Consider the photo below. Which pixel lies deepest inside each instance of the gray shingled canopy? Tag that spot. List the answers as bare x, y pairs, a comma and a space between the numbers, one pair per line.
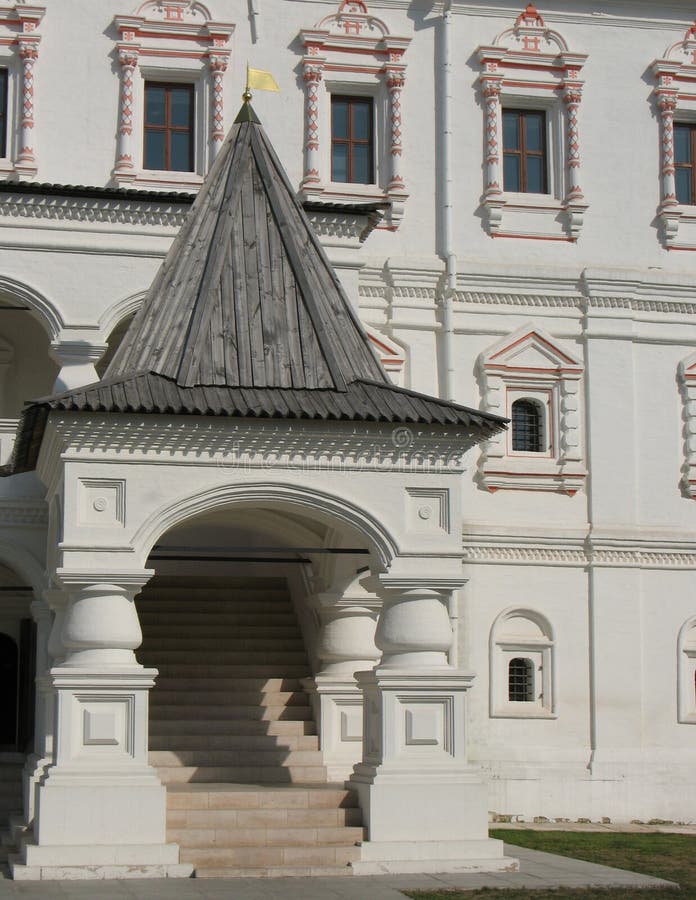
246, 317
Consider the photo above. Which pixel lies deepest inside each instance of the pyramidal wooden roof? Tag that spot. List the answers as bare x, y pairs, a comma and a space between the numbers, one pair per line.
246, 317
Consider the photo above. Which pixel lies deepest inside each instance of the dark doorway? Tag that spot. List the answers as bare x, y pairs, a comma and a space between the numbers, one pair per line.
9, 670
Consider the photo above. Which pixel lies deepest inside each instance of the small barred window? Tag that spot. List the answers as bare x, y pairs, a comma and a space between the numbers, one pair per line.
521, 680
527, 427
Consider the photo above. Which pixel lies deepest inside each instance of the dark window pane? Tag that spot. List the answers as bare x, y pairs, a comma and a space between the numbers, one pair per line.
340, 119
180, 152
535, 175
521, 680
362, 115
361, 164
155, 105
154, 150
534, 124
511, 135
682, 144
180, 109
339, 163
527, 427
3, 112
511, 173
683, 185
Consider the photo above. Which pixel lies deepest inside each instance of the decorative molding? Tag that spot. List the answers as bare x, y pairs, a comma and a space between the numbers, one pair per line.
160, 34
500, 552
356, 47
531, 60
675, 74
687, 387
111, 212
531, 363
243, 446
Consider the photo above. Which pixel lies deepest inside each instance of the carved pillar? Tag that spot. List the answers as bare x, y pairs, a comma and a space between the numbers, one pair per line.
667, 104
125, 168
421, 799
43, 718
492, 88
312, 72
28, 53
218, 67
572, 95
346, 644
99, 773
395, 84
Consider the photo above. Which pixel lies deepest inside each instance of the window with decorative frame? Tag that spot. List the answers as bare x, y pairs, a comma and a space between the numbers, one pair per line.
531, 379
522, 676
530, 71
352, 54
675, 100
176, 45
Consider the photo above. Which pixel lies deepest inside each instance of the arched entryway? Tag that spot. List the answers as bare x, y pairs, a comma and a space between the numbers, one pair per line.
233, 621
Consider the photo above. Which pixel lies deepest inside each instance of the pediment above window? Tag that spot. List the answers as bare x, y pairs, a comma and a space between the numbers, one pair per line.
531, 349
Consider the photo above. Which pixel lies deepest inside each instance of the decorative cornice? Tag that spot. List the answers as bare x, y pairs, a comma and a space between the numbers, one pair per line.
112, 212
508, 299
610, 557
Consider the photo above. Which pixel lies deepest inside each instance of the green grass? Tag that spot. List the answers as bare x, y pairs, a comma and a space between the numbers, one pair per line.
669, 856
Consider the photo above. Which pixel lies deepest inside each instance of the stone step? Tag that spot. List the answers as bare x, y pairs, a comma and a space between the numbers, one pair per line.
260, 796
184, 656
239, 727
197, 629
256, 685
254, 712
237, 758
243, 774
10, 773
263, 818
222, 604
245, 742
225, 670
279, 699
265, 857
188, 618
273, 872
230, 643
213, 582
261, 836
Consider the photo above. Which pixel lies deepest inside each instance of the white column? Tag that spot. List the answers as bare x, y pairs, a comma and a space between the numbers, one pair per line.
572, 95
346, 644
492, 88
424, 805
28, 53
101, 809
125, 167
312, 73
39, 758
77, 359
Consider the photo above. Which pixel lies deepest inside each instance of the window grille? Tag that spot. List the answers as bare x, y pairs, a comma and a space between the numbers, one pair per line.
527, 427
521, 680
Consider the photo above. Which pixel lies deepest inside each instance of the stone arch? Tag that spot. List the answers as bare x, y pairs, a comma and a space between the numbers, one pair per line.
46, 312
686, 672
120, 310
25, 565
382, 544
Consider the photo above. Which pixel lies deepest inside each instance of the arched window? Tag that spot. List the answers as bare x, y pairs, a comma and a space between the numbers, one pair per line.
686, 672
527, 426
521, 680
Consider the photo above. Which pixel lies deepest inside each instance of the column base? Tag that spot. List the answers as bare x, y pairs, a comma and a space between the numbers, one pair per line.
81, 862
410, 857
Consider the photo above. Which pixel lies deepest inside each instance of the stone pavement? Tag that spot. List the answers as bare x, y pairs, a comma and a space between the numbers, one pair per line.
538, 870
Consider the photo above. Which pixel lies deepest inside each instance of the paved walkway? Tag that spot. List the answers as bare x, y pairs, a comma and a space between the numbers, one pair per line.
538, 870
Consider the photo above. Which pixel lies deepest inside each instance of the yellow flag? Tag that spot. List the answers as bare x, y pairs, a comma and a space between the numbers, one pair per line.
260, 80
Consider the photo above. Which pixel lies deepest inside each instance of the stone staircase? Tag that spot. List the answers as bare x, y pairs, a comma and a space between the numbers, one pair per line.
232, 734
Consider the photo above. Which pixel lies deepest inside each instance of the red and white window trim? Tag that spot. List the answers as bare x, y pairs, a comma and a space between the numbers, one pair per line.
19, 52
351, 52
169, 41
531, 365
675, 97
531, 66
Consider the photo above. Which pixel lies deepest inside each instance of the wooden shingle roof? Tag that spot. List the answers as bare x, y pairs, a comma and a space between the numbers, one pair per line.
246, 317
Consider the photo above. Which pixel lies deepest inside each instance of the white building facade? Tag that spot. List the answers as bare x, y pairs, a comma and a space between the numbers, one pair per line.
508, 197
